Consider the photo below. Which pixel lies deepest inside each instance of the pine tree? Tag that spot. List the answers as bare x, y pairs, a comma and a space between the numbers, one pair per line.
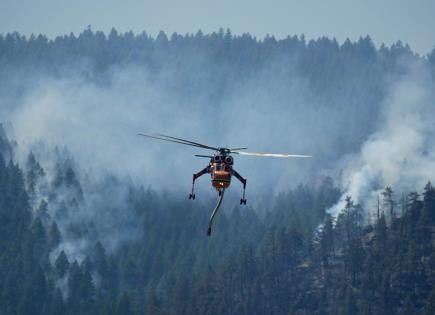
429, 201
74, 285
388, 203
39, 238
34, 298
61, 264
123, 307
153, 304
55, 236
429, 308
350, 307
181, 296
408, 308
34, 172
87, 292
100, 260
42, 211
381, 235
56, 305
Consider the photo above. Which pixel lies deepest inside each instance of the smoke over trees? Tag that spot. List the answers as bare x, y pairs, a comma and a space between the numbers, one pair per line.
90, 224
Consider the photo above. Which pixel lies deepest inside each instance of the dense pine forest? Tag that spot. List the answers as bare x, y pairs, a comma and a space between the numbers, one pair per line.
284, 263
74, 241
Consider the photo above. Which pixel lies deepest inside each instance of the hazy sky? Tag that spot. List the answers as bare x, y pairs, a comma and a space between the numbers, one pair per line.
385, 21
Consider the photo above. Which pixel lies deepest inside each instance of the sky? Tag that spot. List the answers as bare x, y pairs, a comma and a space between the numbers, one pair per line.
386, 21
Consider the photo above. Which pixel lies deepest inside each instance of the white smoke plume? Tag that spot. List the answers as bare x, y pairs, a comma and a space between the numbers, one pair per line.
401, 154
273, 109
99, 125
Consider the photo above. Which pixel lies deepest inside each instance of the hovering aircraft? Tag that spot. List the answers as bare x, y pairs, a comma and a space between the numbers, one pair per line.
220, 167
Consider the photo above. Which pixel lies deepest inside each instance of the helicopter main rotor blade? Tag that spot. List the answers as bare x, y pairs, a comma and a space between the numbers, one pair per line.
238, 149
287, 156
169, 140
205, 146
204, 156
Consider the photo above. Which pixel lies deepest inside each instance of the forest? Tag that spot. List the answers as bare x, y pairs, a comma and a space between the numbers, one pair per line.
77, 241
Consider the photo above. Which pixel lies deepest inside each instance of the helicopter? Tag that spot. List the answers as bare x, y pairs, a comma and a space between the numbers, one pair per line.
220, 167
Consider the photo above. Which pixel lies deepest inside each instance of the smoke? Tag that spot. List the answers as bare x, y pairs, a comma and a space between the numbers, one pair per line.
99, 123
270, 106
401, 153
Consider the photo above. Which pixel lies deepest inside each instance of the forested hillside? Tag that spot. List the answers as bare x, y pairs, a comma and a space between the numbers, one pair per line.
280, 264
92, 222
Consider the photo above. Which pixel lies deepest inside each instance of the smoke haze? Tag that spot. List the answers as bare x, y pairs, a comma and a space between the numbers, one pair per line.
401, 153
363, 113
273, 107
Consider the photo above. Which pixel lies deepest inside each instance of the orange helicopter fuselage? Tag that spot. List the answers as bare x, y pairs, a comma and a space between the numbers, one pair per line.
220, 175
